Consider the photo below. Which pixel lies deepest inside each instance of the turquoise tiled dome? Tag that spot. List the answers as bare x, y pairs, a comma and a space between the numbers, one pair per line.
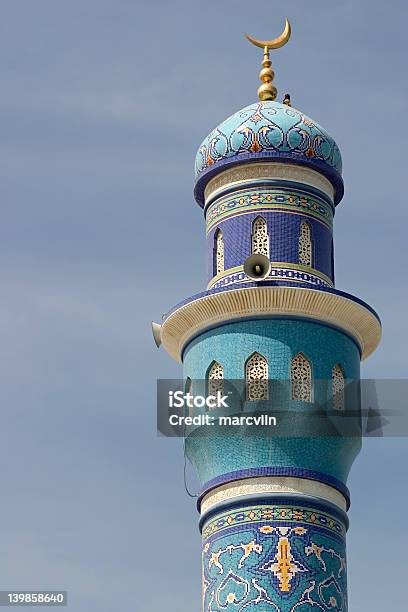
269, 130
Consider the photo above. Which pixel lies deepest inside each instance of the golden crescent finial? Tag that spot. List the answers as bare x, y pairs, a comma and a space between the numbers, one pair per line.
267, 90
276, 43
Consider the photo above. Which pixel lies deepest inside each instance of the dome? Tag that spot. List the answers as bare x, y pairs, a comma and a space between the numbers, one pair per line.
266, 131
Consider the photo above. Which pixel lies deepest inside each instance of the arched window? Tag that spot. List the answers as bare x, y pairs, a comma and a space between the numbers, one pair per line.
256, 377
305, 244
260, 237
215, 379
218, 252
301, 378
338, 387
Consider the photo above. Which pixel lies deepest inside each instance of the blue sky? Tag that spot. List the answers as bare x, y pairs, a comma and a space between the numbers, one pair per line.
103, 104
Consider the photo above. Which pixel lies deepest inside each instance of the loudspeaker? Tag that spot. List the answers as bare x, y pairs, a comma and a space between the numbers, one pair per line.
156, 330
257, 267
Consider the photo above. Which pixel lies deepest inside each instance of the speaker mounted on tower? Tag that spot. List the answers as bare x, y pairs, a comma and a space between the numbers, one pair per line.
156, 331
257, 267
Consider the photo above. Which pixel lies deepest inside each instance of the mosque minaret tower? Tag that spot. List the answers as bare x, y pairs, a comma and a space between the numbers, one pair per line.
273, 508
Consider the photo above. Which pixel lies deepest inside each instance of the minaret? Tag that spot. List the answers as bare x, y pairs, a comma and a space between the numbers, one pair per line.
273, 507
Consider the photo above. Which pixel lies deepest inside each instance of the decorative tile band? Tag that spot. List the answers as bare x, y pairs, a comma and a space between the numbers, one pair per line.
280, 271
283, 557
278, 513
268, 200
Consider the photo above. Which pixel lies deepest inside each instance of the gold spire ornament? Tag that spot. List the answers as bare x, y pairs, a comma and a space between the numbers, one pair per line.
267, 91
